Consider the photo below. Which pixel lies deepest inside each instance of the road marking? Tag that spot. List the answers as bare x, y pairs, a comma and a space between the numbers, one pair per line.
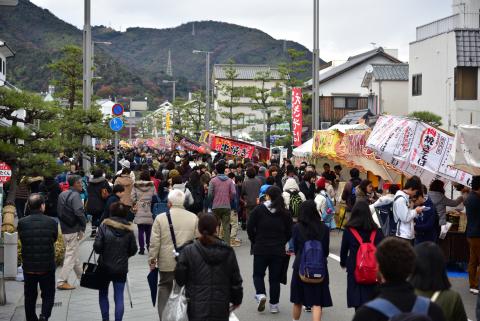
335, 257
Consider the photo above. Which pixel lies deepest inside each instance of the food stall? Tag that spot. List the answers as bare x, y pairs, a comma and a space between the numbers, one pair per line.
416, 148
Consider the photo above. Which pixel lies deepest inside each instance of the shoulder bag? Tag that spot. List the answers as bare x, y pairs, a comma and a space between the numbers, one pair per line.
90, 277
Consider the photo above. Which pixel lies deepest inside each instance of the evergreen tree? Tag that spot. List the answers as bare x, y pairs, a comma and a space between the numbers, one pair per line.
232, 96
31, 140
75, 122
268, 100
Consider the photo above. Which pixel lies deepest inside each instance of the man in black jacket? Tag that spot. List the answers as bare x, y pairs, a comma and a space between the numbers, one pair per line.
38, 234
396, 260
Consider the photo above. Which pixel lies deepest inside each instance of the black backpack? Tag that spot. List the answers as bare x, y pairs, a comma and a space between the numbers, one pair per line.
353, 193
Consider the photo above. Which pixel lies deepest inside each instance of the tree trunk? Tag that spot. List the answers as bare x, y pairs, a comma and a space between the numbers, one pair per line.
269, 126
231, 122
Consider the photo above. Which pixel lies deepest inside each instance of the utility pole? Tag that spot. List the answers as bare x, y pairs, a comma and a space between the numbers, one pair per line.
316, 114
207, 87
87, 74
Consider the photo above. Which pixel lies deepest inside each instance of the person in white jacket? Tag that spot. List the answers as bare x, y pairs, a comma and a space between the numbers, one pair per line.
383, 201
290, 187
402, 213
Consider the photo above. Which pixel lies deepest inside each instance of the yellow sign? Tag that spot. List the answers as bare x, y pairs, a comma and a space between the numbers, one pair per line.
325, 142
168, 122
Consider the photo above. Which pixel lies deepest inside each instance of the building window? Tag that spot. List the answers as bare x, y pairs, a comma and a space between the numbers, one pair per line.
276, 91
1, 64
339, 102
345, 102
352, 102
417, 85
4, 67
466, 83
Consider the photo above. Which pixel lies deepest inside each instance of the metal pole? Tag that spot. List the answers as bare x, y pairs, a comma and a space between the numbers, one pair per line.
315, 69
207, 94
116, 152
264, 130
174, 91
87, 71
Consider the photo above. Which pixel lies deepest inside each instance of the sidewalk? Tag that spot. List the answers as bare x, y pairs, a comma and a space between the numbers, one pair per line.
81, 303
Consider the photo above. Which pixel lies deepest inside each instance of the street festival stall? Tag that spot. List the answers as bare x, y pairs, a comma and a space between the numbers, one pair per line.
416, 148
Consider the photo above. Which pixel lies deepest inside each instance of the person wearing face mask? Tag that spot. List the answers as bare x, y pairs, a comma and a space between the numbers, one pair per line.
269, 227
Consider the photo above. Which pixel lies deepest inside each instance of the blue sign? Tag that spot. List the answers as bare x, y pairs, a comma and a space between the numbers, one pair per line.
117, 110
116, 124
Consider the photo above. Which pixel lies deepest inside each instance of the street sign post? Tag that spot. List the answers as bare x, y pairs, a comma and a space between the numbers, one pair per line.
5, 172
116, 124
117, 110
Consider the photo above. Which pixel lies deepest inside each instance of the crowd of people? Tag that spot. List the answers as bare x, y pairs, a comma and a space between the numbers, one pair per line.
187, 211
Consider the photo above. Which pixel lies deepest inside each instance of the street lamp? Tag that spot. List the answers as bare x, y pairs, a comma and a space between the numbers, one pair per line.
316, 113
207, 86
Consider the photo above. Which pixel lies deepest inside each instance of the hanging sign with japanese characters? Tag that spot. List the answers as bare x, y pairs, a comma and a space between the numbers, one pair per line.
415, 148
232, 147
297, 116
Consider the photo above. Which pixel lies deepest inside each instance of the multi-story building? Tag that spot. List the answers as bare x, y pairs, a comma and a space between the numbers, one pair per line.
245, 82
444, 62
5, 52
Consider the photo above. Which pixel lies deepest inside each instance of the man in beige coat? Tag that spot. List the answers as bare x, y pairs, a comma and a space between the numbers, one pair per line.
162, 253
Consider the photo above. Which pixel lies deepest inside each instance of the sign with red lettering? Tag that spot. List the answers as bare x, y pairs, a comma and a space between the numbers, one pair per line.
5, 172
297, 116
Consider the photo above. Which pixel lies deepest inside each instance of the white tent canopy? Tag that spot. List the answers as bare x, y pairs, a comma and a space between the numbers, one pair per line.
304, 150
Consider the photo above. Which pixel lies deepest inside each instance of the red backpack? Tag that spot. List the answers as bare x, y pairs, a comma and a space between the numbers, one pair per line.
366, 267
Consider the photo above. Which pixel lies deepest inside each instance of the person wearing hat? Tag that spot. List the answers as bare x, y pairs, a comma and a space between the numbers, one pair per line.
126, 164
324, 203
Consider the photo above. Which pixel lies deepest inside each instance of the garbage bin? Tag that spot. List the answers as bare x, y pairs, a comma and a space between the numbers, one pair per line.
10, 245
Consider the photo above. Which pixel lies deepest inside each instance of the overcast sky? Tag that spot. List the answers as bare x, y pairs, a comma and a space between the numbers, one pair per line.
347, 27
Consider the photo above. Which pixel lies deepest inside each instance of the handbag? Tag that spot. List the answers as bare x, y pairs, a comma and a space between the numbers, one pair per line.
90, 277
176, 306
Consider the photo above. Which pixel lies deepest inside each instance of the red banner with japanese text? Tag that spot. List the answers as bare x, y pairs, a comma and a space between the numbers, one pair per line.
297, 116
232, 147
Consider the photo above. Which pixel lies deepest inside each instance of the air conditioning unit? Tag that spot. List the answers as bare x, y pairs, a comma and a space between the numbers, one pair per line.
325, 125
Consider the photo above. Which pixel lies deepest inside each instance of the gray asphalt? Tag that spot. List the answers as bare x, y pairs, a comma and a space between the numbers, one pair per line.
82, 304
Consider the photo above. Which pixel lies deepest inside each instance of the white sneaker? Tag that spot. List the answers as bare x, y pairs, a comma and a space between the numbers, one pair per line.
274, 308
474, 291
261, 300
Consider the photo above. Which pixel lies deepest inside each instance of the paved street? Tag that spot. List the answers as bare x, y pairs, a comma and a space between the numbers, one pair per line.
82, 304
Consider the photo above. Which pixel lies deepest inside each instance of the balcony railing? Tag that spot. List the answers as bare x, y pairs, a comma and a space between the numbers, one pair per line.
457, 21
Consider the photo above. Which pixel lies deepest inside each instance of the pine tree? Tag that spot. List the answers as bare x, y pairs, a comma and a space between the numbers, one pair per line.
31, 140
232, 96
76, 123
268, 100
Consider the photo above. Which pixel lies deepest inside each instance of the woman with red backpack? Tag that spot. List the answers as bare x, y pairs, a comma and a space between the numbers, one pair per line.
357, 254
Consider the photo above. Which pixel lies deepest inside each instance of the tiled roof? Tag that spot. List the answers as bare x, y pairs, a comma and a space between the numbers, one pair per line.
352, 62
468, 48
390, 71
354, 117
246, 72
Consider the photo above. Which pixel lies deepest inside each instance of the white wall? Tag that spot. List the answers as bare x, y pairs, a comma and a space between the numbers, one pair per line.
244, 107
349, 82
394, 98
436, 58
3, 73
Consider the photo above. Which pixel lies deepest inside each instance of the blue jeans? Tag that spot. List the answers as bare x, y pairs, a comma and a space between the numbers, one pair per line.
118, 289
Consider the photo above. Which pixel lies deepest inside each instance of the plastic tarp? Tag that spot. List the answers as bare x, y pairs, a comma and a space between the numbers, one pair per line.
304, 150
466, 149
415, 148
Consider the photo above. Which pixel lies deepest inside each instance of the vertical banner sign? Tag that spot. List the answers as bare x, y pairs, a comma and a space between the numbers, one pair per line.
167, 120
297, 116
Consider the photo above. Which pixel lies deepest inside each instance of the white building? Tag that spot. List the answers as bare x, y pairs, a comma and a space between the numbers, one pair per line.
5, 52
341, 86
444, 62
387, 88
245, 81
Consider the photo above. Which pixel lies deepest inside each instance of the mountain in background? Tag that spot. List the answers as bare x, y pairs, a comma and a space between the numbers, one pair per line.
135, 64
